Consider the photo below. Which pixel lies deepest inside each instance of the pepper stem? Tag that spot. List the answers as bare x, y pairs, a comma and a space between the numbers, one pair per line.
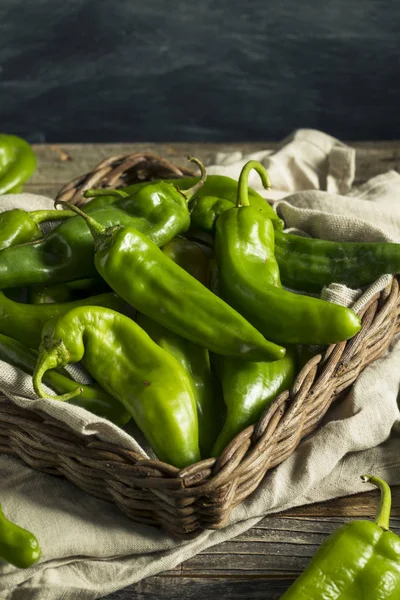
96, 229
385, 503
105, 192
242, 198
45, 363
189, 193
39, 216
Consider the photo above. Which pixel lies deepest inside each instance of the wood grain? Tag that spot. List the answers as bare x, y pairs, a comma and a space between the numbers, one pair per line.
262, 562
54, 171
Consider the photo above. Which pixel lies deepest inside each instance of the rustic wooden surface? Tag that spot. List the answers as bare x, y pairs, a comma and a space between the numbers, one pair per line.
261, 563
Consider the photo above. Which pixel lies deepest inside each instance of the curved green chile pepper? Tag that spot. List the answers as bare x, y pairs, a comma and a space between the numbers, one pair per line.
244, 246
196, 362
24, 322
18, 546
194, 358
158, 210
358, 561
248, 388
93, 398
17, 163
137, 270
18, 226
149, 382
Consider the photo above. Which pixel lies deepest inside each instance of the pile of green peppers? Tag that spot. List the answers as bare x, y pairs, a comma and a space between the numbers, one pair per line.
173, 296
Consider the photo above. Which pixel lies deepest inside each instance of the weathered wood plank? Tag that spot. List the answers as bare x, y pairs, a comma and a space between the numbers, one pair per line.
186, 588
54, 171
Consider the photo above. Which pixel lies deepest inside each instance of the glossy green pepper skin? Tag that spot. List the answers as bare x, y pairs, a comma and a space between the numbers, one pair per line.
18, 546
17, 163
248, 388
358, 561
309, 264
149, 382
93, 398
220, 186
194, 358
249, 280
159, 211
18, 226
196, 362
24, 322
205, 211
137, 270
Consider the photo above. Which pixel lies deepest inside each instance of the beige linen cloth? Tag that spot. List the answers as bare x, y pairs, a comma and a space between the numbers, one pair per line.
89, 547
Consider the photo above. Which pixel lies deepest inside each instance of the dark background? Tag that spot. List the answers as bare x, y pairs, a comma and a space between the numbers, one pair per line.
215, 70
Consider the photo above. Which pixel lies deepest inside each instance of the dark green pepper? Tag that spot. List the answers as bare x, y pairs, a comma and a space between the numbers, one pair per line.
248, 388
65, 292
309, 264
249, 280
149, 382
358, 561
159, 210
136, 269
47, 294
17, 163
24, 322
18, 226
18, 546
93, 398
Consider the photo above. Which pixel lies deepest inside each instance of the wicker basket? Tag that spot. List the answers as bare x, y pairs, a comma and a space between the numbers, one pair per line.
186, 502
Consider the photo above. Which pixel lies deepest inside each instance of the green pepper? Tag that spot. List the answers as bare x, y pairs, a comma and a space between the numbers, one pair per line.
18, 546
93, 398
216, 187
223, 187
193, 358
358, 561
137, 270
248, 388
149, 382
18, 226
249, 280
159, 210
205, 211
309, 264
24, 322
17, 163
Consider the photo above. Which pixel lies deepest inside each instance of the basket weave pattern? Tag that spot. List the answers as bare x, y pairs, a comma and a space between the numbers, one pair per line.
187, 501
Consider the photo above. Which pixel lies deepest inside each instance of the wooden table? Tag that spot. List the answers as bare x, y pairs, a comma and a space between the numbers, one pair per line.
262, 562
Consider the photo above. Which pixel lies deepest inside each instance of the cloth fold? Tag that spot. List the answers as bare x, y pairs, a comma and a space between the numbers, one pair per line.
90, 548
